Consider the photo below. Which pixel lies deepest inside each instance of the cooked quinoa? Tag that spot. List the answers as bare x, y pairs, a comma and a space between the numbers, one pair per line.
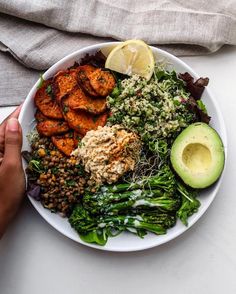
154, 109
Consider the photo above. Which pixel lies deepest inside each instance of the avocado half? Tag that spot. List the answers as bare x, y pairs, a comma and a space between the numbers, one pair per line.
197, 155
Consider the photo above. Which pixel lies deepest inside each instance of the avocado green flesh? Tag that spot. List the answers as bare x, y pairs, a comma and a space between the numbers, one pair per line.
197, 155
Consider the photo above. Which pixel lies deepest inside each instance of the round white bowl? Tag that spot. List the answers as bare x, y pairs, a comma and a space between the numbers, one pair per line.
126, 241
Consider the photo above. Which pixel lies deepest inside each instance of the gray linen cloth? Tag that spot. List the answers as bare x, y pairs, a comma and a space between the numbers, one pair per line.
37, 33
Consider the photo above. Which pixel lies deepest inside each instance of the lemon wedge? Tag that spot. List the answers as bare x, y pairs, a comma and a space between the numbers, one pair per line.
132, 57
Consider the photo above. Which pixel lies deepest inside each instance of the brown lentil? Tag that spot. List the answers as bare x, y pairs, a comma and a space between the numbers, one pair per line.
61, 183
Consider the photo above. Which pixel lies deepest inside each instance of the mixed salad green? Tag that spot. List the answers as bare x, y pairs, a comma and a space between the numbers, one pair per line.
150, 198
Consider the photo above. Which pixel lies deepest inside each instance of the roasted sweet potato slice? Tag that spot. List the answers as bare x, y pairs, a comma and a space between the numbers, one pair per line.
64, 82
65, 143
103, 82
49, 128
45, 103
82, 121
39, 116
83, 72
78, 100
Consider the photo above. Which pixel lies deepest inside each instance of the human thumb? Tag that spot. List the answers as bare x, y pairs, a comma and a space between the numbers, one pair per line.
13, 144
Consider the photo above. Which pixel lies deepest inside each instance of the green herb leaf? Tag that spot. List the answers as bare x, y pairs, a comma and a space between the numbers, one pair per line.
202, 106
160, 74
55, 170
81, 170
70, 183
115, 93
81, 144
35, 165
65, 108
94, 237
49, 89
190, 203
41, 81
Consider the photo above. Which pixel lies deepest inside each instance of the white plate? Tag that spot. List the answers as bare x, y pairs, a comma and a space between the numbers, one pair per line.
125, 241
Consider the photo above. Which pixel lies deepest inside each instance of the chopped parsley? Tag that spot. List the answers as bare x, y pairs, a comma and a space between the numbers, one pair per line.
49, 89
65, 108
81, 170
80, 144
55, 170
70, 183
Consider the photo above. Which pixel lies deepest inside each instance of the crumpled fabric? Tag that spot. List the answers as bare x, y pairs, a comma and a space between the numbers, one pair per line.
38, 33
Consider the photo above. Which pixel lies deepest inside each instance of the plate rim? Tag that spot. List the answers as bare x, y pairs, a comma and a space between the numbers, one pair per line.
223, 136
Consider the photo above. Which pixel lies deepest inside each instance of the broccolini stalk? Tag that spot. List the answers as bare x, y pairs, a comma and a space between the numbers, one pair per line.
163, 203
166, 220
114, 209
112, 203
104, 198
86, 226
82, 220
135, 222
164, 179
98, 229
190, 203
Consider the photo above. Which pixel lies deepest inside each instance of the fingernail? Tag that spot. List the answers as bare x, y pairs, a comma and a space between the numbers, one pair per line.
13, 125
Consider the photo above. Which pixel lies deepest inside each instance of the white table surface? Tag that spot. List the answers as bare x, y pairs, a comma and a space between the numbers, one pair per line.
36, 259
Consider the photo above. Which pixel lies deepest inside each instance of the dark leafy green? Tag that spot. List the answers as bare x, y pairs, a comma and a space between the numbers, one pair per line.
35, 165
190, 203
195, 88
162, 75
198, 108
33, 191
140, 207
164, 179
118, 203
97, 229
